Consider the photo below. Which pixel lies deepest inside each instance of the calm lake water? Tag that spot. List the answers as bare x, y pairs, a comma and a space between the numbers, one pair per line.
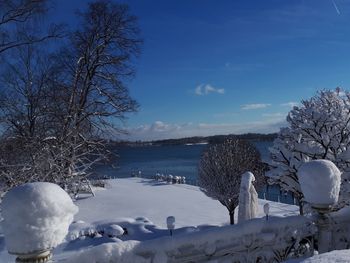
181, 160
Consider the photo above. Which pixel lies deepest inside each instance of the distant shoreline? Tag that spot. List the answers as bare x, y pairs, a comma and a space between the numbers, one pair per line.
198, 140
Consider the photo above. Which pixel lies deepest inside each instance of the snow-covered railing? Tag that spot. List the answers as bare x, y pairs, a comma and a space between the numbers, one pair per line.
46, 212
256, 240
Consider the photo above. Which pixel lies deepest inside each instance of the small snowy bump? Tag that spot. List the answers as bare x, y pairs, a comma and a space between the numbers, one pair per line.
114, 231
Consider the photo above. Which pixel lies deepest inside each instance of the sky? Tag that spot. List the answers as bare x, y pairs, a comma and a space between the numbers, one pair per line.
230, 67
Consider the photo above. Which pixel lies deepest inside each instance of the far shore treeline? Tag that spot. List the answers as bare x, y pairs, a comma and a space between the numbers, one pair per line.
197, 140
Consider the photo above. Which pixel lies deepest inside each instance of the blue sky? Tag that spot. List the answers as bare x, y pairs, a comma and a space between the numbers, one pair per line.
219, 67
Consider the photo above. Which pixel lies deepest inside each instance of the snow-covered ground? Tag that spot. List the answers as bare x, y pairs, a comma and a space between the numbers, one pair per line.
336, 256
141, 206
136, 197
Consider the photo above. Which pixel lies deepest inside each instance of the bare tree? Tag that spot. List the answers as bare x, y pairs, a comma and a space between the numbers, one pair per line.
24, 104
92, 96
63, 106
221, 167
16, 16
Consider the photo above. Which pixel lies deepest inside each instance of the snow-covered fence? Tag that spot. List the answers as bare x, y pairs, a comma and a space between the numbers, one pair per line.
256, 240
46, 207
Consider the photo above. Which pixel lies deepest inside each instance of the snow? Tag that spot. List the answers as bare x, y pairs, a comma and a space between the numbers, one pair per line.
201, 242
36, 217
109, 252
336, 256
136, 197
320, 182
114, 230
141, 207
248, 198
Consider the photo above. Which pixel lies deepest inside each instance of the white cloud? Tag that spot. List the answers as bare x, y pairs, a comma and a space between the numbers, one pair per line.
206, 89
198, 90
255, 106
290, 104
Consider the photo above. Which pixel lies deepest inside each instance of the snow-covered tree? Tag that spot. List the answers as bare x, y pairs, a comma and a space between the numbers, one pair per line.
221, 167
56, 111
318, 129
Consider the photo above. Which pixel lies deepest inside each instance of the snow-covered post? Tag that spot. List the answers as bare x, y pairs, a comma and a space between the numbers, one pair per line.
36, 219
248, 198
320, 184
170, 221
267, 210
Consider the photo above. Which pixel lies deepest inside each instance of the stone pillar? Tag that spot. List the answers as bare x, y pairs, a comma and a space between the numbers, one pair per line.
324, 231
36, 257
36, 220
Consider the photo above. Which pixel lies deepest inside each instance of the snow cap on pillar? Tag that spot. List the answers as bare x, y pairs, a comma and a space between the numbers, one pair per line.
320, 182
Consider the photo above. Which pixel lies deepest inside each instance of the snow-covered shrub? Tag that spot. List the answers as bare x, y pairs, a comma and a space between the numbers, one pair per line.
320, 182
98, 183
36, 217
114, 231
221, 167
318, 129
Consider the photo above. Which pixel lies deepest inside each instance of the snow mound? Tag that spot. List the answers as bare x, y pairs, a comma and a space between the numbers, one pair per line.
320, 182
36, 217
109, 252
114, 231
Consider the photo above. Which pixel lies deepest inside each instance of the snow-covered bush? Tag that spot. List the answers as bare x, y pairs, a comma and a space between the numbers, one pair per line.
320, 182
36, 217
221, 167
318, 129
114, 231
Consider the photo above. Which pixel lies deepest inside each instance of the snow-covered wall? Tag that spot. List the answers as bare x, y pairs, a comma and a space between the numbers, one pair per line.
250, 241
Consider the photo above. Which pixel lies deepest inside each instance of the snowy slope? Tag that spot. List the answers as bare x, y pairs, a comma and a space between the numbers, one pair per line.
135, 197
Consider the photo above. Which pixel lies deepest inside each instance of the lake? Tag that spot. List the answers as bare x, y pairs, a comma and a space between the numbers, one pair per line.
181, 160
